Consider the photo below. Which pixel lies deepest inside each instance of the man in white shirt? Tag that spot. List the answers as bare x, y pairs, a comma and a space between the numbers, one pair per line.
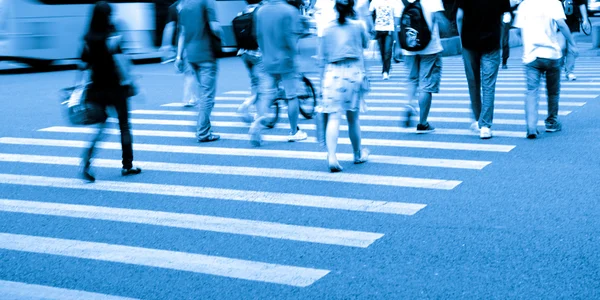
387, 15
425, 66
542, 53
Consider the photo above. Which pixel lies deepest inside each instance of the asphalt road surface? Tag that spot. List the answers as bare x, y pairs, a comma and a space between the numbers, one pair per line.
438, 216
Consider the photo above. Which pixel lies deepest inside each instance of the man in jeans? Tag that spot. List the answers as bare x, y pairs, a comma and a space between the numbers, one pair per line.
277, 26
539, 20
387, 16
577, 17
197, 18
480, 29
169, 50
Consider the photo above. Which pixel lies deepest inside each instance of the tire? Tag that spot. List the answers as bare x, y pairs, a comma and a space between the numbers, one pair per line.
307, 99
272, 114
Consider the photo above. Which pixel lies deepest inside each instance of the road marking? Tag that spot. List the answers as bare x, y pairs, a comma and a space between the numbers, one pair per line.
18, 290
498, 88
181, 261
394, 101
365, 117
198, 193
245, 152
499, 84
272, 230
238, 93
498, 95
284, 138
433, 109
363, 128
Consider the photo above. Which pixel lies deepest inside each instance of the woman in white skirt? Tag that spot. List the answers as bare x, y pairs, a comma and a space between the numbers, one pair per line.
343, 79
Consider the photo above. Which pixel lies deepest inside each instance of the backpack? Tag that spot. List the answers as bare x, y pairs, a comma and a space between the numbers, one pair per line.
243, 29
414, 32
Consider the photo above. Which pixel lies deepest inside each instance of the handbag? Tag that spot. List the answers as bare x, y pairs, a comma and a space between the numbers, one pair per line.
321, 120
78, 110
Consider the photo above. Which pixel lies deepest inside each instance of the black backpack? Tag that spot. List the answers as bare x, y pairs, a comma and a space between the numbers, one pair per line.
243, 29
414, 32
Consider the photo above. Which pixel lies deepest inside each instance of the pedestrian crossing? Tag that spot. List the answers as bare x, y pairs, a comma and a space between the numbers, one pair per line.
165, 146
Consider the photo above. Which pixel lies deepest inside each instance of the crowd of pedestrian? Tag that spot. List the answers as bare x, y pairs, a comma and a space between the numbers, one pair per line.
268, 48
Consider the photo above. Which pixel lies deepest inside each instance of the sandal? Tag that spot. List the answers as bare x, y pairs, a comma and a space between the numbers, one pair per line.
210, 138
335, 168
361, 157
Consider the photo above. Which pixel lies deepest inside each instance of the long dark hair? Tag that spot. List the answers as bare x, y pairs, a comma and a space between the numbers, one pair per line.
345, 11
100, 24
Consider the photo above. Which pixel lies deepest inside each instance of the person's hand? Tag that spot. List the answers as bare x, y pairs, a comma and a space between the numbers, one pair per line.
574, 50
179, 65
168, 52
587, 25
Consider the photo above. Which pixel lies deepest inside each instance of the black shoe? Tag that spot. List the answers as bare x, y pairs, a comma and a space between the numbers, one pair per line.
504, 67
531, 136
409, 113
425, 128
86, 173
132, 171
210, 138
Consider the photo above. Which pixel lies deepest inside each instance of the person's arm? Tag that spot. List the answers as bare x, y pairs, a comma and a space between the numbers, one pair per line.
459, 21
180, 47
585, 19
211, 12
564, 29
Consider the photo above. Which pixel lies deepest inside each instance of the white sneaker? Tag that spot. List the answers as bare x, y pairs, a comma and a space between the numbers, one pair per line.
571, 77
191, 103
475, 127
485, 133
386, 76
299, 136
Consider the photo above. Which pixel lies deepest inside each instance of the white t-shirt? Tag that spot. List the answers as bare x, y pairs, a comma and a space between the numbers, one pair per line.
537, 20
430, 7
386, 11
324, 14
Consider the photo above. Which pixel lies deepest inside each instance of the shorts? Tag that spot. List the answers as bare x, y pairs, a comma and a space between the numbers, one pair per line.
425, 71
289, 82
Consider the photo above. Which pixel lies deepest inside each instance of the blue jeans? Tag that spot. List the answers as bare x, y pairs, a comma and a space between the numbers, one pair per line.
206, 76
386, 44
534, 72
255, 69
481, 69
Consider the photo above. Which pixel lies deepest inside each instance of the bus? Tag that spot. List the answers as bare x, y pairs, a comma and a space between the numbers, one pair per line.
38, 32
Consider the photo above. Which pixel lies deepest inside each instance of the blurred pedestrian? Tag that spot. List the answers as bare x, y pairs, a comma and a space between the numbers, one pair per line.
425, 66
169, 51
107, 88
479, 26
539, 21
343, 78
198, 19
387, 15
577, 17
278, 29
243, 28
507, 24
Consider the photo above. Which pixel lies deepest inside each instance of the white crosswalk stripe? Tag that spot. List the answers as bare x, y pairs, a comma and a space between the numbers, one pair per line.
402, 164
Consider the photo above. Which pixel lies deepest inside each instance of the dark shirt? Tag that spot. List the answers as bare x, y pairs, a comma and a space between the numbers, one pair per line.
482, 23
173, 17
277, 26
101, 64
573, 13
194, 17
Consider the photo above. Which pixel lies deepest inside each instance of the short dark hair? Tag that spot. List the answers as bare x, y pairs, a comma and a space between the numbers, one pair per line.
253, 1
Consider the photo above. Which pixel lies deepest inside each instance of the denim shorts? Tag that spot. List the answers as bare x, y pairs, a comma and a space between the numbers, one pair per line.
288, 81
425, 71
